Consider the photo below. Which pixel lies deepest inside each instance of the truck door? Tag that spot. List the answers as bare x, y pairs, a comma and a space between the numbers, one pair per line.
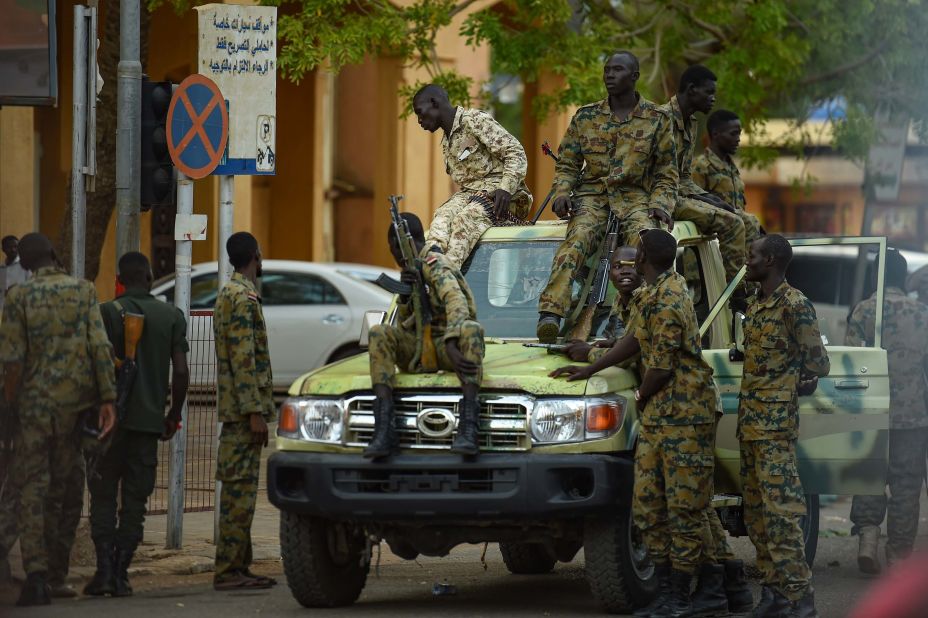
844, 437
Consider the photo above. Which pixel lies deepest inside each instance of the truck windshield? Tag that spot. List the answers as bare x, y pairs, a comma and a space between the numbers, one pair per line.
506, 279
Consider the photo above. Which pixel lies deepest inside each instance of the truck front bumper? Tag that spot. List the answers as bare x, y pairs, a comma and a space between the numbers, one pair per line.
493, 486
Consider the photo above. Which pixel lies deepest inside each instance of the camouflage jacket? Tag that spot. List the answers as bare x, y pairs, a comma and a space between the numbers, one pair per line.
720, 177
633, 161
450, 298
782, 343
905, 339
246, 385
918, 283
52, 327
624, 313
685, 138
480, 155
668, 332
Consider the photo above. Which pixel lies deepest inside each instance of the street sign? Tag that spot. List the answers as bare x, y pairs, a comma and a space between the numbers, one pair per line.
197, 126
238, 50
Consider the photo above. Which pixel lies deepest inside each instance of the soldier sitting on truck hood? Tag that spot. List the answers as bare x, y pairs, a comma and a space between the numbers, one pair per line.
455, 330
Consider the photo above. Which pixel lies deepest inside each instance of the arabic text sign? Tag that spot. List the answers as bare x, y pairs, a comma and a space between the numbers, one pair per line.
238, 50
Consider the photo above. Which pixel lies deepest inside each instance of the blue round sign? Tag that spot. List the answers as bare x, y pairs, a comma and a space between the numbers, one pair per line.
198, 126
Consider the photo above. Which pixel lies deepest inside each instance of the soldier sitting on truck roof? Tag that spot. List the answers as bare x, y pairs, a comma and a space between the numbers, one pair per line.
458, 335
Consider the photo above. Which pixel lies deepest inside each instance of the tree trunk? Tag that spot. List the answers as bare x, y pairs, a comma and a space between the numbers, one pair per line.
102, 202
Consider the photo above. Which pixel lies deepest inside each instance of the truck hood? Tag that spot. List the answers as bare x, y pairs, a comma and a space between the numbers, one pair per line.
508, 366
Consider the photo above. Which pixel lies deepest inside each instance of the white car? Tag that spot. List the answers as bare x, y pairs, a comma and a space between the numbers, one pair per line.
313, 312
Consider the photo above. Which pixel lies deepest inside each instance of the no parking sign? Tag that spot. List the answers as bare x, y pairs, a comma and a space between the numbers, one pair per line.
197, 126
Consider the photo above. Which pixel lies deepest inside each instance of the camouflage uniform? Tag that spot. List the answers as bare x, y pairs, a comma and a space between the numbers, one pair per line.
480, 156
905, 338
709, 219
722, 178
674, 458
624, 314
52, 327
781, 344
628, 166
245, 388
454, 316
918, 283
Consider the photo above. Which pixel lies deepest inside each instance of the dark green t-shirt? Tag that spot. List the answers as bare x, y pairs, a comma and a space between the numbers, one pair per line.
164, 332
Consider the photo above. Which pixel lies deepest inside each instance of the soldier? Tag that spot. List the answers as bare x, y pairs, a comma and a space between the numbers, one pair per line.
715, 170
783, 359
11, 271
618, 153
457, 335
674, 458
710, 214
246, 404
129, 466
905, 338
482, 158
52, 335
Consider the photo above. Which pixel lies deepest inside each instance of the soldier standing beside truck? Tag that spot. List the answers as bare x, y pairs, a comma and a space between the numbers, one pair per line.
618, 154
454, 332
484, 160
674, 458
783, 358
905, 338
246, 405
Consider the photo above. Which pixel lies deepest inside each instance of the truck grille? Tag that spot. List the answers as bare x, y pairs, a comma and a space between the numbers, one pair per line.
503, 421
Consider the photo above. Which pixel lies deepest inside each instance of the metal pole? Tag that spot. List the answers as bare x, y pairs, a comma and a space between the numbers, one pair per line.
128, 121
182, 259
226, 215
78, 143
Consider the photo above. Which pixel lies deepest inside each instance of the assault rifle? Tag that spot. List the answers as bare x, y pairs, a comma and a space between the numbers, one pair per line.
552, 348
126, 367
546, 149
600, 282
425, 357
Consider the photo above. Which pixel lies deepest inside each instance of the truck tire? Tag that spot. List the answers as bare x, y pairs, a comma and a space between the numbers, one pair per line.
809, 525
322, 560
618, 569
527, 558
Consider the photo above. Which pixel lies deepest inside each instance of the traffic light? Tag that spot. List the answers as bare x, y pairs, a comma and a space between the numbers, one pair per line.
158, 181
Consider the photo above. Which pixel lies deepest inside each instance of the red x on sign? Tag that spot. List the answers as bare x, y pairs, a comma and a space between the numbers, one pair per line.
198, 126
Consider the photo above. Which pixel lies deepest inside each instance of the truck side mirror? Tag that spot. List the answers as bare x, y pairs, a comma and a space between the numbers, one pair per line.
371, 318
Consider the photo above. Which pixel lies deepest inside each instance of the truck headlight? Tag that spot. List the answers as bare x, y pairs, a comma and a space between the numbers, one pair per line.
315, 420
556, 421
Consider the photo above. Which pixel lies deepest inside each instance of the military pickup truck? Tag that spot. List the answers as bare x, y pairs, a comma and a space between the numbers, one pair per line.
555, 472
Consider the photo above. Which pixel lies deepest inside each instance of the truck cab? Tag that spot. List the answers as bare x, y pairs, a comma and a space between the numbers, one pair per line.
555, 471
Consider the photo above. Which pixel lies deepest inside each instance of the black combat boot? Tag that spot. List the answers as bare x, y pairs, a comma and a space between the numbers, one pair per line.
104, 579
465, 440
34, 591
772, 604
662, 574
678, 604
384, 441
709, 598
124, 553
740, 599
805, 607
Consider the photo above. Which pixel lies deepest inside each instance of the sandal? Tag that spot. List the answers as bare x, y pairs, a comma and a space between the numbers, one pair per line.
265, 578
241, 582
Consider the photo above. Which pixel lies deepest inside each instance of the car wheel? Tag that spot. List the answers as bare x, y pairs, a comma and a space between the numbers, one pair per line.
618, 568
527, 558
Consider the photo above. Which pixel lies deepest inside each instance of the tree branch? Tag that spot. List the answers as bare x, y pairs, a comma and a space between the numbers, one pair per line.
847, 67
606, 7
460, 7
690, 14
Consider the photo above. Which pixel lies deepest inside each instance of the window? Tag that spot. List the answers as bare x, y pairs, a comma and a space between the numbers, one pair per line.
202, 290
279, 288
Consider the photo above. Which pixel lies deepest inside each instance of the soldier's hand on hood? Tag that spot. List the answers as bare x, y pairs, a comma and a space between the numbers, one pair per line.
578, 351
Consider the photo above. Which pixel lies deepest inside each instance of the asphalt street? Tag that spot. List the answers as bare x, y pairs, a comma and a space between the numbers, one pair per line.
402, 588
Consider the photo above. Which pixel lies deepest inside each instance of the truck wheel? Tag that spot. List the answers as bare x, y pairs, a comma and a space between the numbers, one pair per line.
809, 525
527, 558
618, 568
322, 560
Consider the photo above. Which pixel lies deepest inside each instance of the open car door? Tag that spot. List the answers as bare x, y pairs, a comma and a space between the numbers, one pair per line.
844, 425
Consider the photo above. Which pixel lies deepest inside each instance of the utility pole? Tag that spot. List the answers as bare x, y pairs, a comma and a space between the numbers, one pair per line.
128, 121
78, 141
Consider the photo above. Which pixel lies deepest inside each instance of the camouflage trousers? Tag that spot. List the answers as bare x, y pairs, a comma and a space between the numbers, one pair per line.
459, 223
715, 540
585, 233
49, 470
673, 481
393, 345
773, 507
237, 466
59, 545
727, 226
751, 228
906, 475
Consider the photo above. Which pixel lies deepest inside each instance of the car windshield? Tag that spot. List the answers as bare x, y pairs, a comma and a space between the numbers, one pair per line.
506, 279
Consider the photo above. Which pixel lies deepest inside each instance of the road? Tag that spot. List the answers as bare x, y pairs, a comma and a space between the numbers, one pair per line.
404, 588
